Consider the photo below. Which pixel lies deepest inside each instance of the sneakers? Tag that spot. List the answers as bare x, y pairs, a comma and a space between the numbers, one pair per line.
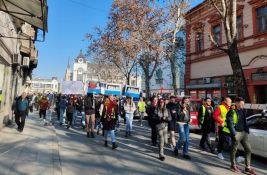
235, 169
220, 156
250, 171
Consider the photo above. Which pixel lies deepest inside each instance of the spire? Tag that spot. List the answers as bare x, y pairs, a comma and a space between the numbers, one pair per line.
81, 54
68, 66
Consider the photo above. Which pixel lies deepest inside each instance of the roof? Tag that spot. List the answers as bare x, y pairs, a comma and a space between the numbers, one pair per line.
196, 7
81, 54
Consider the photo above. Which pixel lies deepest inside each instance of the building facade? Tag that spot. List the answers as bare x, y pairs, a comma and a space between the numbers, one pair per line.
85, 71
18, 54
40, 85
208, 70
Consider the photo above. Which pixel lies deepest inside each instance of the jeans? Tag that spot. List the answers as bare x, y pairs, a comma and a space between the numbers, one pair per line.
62, 118
241, 137
183, 138
75, 113
129, 122
163, 138
112, 135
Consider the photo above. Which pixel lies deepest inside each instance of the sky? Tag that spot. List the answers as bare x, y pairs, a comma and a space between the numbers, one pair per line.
68, 23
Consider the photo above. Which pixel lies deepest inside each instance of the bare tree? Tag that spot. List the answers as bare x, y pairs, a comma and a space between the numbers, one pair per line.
227, 12
175, 20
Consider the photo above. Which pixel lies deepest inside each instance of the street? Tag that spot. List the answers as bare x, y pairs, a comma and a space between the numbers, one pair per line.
55, 150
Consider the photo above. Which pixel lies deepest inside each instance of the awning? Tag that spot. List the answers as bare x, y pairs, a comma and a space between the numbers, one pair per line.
33, 12
203, 86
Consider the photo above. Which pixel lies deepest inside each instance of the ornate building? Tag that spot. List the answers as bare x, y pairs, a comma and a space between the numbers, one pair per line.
85, 71
208, 70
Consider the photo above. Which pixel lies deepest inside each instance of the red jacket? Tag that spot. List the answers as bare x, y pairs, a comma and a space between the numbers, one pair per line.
217, 113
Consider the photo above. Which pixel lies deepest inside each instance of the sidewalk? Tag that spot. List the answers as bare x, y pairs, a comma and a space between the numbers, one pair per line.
35, 151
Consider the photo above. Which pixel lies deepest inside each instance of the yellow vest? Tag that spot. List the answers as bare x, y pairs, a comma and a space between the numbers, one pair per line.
235, 118
203, 114
223, 112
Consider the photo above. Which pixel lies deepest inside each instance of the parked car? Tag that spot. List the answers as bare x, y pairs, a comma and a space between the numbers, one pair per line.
258, 134
195, 104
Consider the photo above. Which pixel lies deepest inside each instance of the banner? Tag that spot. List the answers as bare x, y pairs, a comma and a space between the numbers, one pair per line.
96, 87
72, 87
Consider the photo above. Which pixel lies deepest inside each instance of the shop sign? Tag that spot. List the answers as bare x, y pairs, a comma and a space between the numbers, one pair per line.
259, 76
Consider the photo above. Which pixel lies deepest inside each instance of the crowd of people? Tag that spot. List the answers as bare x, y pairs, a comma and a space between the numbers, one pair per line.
165, 118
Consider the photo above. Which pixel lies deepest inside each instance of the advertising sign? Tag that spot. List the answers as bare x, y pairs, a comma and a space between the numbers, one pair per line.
112, 88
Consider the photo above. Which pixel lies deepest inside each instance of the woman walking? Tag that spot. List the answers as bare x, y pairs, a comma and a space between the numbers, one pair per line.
69, 112
183, 123
89, 107
109, 120
163, 116
129, 108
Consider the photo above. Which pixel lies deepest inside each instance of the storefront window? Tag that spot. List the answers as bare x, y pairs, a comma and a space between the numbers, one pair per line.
193, 94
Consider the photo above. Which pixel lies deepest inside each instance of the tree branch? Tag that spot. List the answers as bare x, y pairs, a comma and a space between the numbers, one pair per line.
216, 44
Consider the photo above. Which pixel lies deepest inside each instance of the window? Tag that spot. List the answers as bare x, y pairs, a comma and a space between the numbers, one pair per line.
199, 42
217, 33
239, 27
262, 19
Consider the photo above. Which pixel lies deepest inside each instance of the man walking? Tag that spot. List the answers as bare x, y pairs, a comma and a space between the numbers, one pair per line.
21, 111
236, 126
141, 109
219, 116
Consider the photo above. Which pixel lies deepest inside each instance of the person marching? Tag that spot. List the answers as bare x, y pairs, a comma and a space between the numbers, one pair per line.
163, 117
173, 108
205, 120
21, 111
183, 123
141, 109
89, 106
109, 120
152, 105
43, 106
62, 108
69, 111
129, 108
236, 125
219, 116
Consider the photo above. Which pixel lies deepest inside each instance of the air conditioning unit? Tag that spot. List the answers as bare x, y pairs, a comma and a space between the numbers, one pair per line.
26, 62
16, 59
207, 80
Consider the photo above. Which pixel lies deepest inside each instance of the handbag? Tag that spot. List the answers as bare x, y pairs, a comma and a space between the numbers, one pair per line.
160, 126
